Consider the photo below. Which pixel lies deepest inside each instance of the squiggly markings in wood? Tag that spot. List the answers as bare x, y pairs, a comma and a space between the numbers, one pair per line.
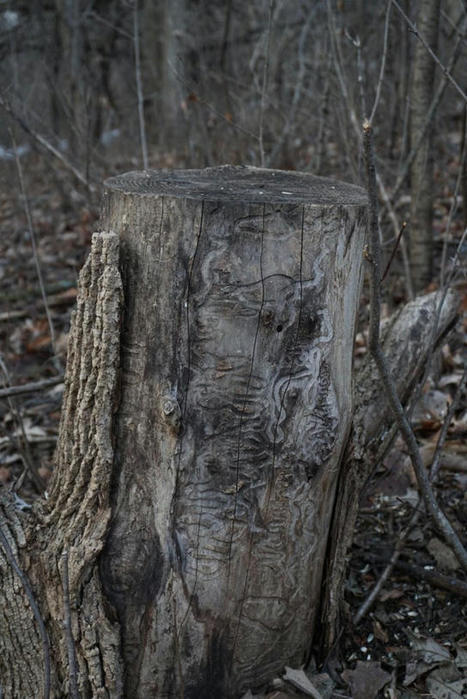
267, 415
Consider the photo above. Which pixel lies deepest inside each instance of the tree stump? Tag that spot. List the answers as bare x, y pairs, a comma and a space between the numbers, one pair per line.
194, 537
241, 287
208, 400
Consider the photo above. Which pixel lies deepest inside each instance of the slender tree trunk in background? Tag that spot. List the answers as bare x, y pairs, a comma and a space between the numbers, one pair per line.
464, 166
421, 171
176, 40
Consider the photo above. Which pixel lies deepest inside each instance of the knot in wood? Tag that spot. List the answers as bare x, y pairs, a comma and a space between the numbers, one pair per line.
171, 411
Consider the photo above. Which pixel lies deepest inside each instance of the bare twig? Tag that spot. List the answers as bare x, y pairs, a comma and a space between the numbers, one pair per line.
423, 481
394, 249
338, 64
445, 582
25, 451
35, 609
139, 86
74, 693
427, 47
383, 63
45, 144
32, 235
357, 44
30, 387
323, 113
396, 227
428, 119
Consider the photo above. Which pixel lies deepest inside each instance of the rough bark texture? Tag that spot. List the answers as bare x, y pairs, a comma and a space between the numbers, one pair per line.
241, 288
421, 171
408, 338
75, 517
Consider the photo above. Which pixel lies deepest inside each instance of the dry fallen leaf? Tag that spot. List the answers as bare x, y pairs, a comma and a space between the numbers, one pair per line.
447, 684
301, 681
428, 650
380, 633
391, 594
366, 680
442, 554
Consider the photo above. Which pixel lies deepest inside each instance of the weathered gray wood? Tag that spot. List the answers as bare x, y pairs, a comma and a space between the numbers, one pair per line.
241, 287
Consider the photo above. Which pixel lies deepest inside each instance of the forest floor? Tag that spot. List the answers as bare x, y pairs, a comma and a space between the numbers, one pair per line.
413, 642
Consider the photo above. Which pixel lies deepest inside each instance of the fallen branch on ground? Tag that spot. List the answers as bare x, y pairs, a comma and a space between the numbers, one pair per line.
31, 387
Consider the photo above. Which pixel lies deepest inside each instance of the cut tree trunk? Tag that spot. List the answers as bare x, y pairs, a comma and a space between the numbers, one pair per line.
181, 548
241, 288
199, 446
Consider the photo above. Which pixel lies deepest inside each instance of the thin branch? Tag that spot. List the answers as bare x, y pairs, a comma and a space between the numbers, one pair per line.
338, 65
394, 250
430, 51
444, 582
25, 451
139, 86
323, 112
423, 481
32, 235
357, 44
31, 387
45, 144
35, 609
435, 464
383, 63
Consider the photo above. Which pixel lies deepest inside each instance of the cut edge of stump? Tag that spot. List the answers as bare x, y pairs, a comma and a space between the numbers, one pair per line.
239, 183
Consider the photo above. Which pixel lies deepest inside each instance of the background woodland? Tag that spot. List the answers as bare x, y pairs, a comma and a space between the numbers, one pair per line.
89, 89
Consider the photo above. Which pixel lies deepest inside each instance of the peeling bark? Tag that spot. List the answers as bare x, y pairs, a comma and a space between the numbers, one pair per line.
75, 517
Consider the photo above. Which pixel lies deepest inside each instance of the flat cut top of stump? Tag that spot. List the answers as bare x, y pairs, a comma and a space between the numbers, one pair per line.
240, 183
